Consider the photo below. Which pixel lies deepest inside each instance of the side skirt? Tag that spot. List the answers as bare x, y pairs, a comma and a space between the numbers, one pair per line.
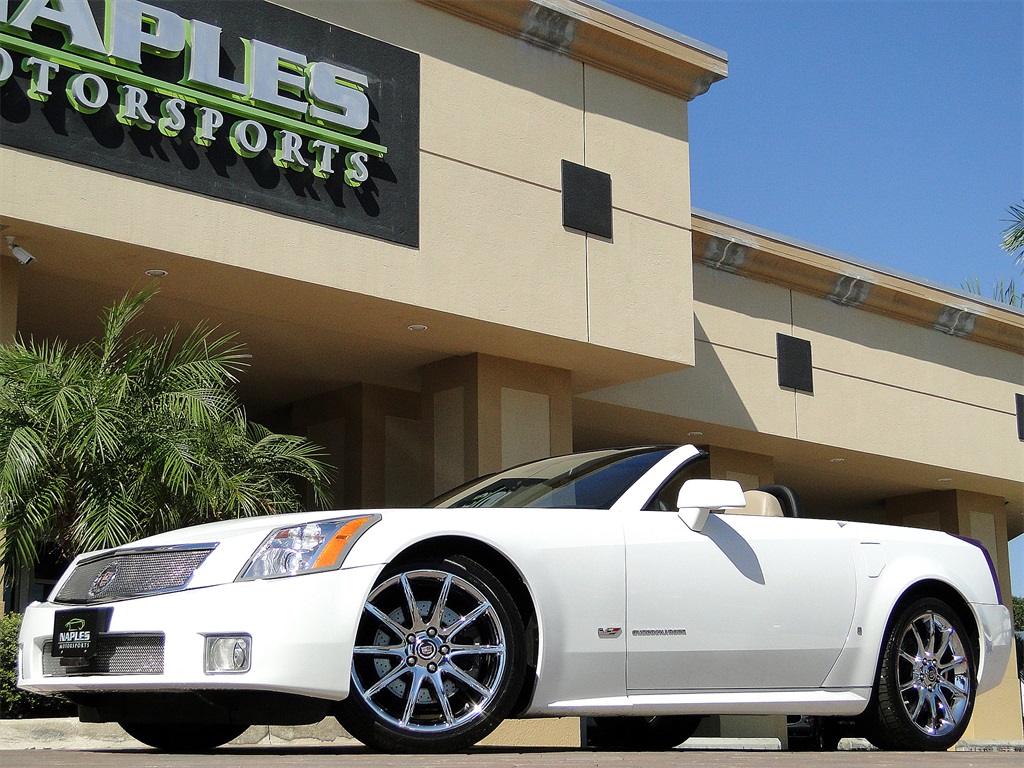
804, 702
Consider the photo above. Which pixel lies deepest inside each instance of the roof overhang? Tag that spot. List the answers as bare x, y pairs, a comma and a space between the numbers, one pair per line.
772, 258
603, 36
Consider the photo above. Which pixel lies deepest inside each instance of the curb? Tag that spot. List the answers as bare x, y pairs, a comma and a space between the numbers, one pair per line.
70, 734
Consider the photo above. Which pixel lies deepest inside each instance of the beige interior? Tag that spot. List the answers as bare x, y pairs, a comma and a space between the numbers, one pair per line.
759, 504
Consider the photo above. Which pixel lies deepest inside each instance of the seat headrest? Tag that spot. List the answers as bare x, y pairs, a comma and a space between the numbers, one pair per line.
759, 504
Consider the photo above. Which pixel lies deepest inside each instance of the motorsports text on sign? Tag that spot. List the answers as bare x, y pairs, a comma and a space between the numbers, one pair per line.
237, 99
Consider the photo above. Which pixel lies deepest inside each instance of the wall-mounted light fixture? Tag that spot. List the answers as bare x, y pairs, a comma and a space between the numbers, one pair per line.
23, 256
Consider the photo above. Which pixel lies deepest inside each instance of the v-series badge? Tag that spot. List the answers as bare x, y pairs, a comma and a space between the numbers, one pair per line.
317, 108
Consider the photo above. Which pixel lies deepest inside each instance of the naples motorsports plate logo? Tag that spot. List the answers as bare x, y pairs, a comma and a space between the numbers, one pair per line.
76, 632
238, 99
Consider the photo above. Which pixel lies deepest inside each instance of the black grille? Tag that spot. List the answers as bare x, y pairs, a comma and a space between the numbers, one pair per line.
115, 655
132, 573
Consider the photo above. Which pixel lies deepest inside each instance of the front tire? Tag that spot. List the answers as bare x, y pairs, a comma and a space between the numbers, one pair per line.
641, 734
926, 684
183, 737
438, 660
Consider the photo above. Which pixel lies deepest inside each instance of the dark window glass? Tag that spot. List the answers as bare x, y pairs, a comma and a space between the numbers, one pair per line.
593, 480
667, 496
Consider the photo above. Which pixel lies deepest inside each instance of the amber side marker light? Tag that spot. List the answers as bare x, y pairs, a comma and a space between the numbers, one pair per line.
336, 546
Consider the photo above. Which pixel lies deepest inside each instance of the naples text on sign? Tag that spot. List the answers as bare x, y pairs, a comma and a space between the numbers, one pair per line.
157, 69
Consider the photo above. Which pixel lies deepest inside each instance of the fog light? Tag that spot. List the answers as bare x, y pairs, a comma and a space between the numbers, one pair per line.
227, 654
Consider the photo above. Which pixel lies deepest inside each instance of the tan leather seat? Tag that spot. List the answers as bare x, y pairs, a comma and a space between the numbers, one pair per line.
759, 504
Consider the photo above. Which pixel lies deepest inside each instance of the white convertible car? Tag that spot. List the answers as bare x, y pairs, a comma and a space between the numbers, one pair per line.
615, 584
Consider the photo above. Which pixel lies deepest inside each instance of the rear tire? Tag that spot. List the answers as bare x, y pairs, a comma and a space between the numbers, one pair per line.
926, 686
641, 734
184, 737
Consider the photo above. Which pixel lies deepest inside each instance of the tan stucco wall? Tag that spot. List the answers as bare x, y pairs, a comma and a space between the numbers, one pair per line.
497, 117
470, 409
881, 386
549, 732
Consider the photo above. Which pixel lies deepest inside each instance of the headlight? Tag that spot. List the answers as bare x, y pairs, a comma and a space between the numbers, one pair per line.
307, 548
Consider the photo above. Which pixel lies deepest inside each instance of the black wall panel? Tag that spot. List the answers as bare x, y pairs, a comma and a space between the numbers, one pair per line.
794, 357
586, 199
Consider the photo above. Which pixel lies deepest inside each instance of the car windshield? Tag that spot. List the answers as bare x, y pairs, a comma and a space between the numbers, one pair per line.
592, 480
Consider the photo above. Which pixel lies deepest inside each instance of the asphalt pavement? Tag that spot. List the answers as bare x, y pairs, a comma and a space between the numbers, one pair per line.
496, 757
65, 742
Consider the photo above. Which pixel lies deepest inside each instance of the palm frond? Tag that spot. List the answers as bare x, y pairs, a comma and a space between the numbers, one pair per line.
134, 433
116, 320
107, 519
25, 456
1003, 292
1013, 235
27, 522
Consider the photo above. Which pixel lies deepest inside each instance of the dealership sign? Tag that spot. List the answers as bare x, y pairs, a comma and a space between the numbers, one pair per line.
237, 99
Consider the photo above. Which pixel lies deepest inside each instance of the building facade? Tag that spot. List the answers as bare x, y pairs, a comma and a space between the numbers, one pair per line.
457, 235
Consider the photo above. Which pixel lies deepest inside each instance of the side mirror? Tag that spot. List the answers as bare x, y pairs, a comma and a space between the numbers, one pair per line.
697, 498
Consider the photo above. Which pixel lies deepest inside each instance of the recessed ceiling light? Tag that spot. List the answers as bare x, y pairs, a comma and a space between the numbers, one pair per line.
837, 460
417, 327
945, 479
694, 434
156, 272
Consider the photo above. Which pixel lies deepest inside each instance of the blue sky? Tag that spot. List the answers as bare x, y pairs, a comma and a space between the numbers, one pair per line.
889, 130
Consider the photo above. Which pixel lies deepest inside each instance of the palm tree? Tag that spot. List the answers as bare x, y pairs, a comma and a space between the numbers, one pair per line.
132, 434
1013, 240
1013, 235
1003, 292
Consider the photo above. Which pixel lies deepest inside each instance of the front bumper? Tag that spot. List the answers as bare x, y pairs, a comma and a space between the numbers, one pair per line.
302, 628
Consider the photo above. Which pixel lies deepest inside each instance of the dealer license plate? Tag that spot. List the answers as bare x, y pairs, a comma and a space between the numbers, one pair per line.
76, 631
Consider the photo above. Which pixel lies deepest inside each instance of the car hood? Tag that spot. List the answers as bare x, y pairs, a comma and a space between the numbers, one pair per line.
210, 533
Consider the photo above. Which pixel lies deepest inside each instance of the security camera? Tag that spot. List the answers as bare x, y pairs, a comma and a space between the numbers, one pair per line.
23, 256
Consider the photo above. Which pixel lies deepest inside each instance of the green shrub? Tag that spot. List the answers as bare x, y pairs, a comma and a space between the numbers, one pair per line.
14, 702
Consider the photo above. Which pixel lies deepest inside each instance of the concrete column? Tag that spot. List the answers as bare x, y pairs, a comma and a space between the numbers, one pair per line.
374, 437
997, 714
751, 470
8, 330
482, 414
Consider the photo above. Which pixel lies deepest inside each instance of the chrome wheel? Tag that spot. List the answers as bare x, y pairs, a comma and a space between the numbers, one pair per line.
432, 653
933, 674
926, 685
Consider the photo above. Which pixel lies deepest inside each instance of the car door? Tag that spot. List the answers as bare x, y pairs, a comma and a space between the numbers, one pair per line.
747, 603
